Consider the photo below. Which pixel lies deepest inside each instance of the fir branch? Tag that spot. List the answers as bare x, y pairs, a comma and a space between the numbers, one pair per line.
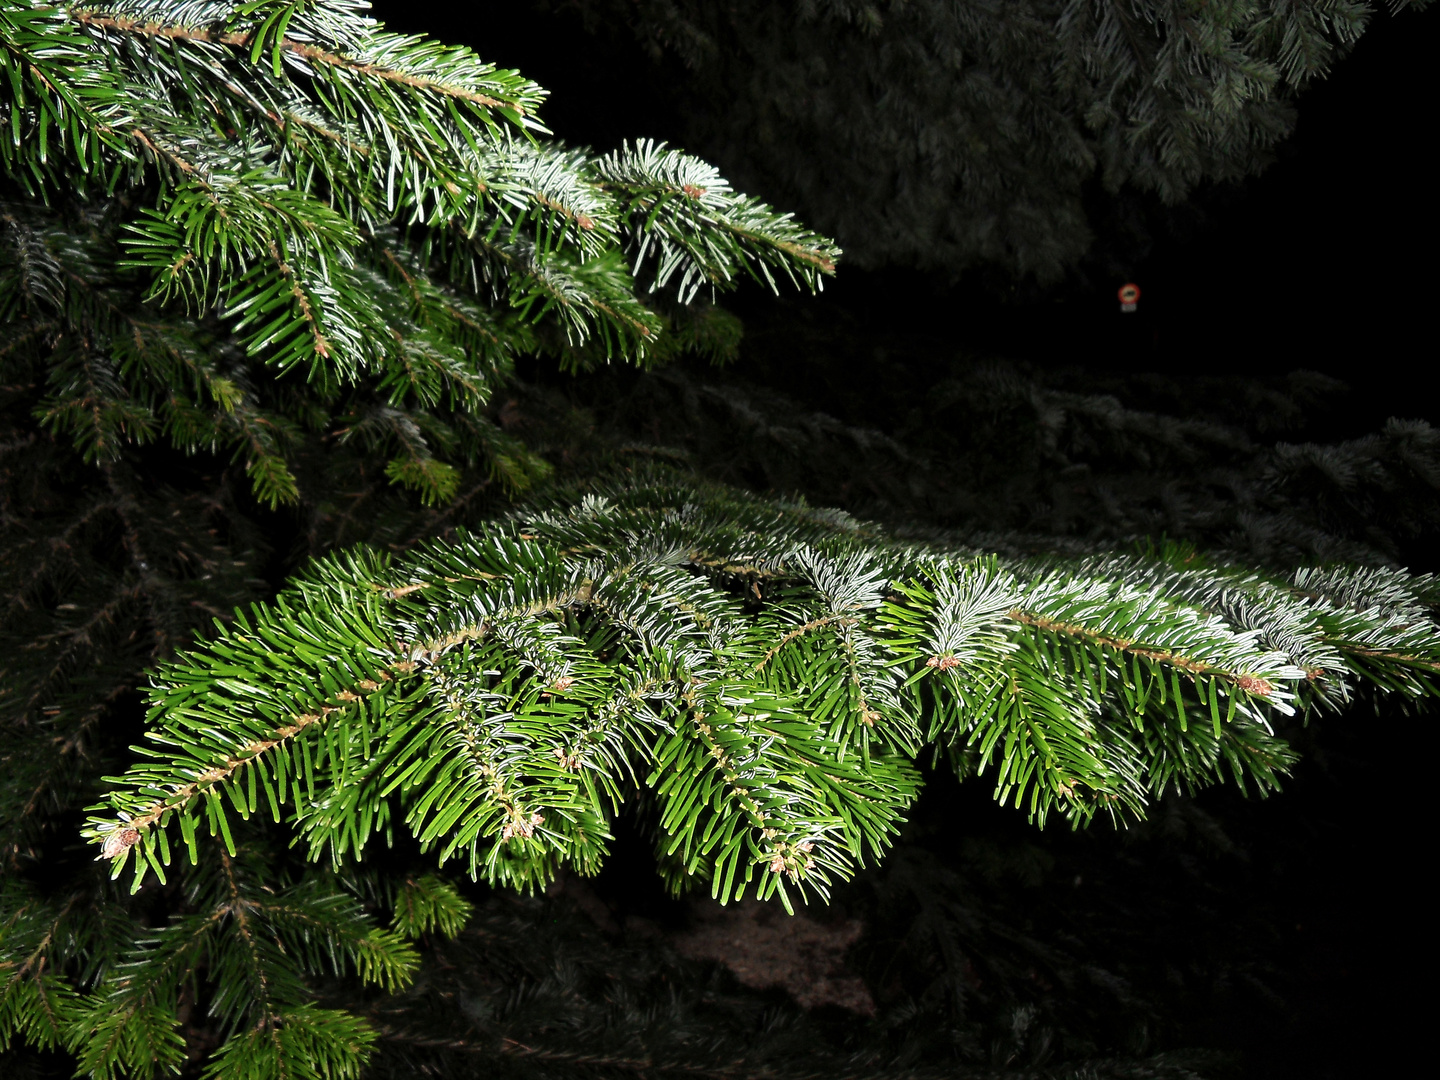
1087, 688
309, 52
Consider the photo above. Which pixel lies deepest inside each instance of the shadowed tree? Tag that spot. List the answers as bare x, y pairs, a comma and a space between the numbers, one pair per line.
264, 266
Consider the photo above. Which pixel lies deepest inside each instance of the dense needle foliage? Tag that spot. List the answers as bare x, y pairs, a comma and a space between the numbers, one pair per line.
264, 266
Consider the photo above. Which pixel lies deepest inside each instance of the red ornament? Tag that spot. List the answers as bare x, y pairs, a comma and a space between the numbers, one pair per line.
1129, 294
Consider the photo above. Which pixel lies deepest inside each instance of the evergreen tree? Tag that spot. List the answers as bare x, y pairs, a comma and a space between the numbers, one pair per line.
951, 134
264, 267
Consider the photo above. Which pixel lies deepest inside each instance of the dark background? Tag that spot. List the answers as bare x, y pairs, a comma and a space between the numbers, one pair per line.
1324, 262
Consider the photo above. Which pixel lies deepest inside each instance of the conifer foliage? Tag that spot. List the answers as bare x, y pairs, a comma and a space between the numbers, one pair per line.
258, 256
271, 243
769, 671
357, 207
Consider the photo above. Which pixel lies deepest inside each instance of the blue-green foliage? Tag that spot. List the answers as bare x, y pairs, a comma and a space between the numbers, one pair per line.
272, 231
192, 186
770, 672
